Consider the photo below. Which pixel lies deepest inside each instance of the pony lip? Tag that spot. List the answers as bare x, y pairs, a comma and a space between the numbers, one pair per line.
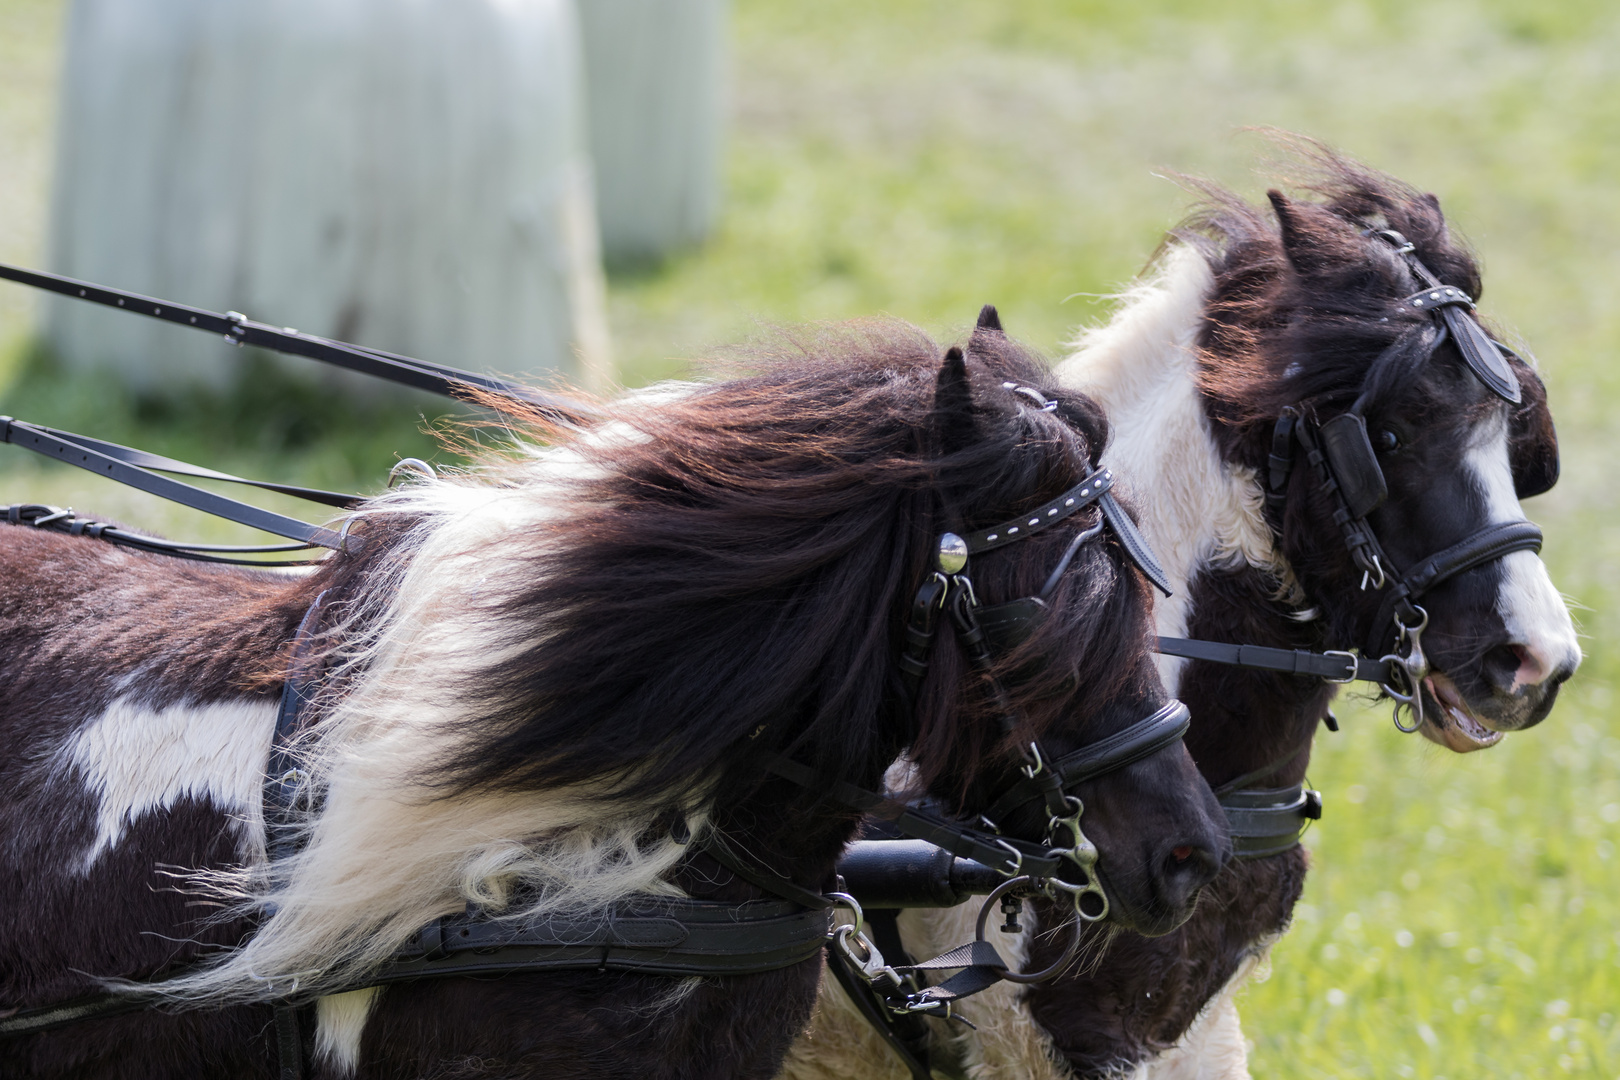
1454, 724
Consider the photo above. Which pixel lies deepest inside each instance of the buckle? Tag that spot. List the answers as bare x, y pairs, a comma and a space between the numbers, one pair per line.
1349, 658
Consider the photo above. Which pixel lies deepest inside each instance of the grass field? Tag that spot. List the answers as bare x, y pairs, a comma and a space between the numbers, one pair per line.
921, 158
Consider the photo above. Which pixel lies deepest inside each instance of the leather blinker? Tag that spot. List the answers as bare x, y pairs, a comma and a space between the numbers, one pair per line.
1355, 465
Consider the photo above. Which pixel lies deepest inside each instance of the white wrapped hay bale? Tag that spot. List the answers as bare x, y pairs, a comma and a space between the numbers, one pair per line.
411, 175
656, 72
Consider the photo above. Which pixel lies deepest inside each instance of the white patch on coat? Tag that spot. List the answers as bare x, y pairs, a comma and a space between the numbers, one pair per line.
388, 854
1213, 1048
340, 1020
136, 760
1196, 510
1532, 612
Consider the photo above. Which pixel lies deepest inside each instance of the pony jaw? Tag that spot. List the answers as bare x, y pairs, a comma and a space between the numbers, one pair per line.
1451, 723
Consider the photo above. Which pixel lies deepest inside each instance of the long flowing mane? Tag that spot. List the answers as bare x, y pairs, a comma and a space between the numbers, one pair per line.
538, 665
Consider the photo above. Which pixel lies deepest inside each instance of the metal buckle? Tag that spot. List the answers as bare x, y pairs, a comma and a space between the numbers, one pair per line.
1350, 658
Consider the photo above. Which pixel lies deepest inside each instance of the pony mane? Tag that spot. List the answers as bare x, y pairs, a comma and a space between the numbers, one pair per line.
538, 664
1301, 299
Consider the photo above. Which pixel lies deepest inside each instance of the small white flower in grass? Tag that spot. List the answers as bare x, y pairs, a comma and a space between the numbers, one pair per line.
1404, 938
1336, 997
1555, 1008
1430, 1039
1610, 812
1411, 880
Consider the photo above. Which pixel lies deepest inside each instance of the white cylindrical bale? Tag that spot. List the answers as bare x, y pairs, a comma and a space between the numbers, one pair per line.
656, 72
411, 175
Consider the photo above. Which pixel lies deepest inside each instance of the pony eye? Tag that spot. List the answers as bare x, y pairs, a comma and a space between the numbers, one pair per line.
1386, 441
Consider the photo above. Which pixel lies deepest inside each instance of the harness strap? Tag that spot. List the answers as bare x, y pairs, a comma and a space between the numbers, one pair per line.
1141, 740
650, 935
756, 873
1487, 545
240, 330
1332, 666
64, 446
1008, 857
1268, 821
910, 1047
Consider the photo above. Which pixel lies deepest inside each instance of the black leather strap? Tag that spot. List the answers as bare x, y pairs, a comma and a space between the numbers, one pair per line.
65, 447
1135, 545
1076, 498
1142, 739
1006, 856
289, 1042
652, 936
882, 1020
1491, 543
285, 781
1269, 821
1335, 667
240, 330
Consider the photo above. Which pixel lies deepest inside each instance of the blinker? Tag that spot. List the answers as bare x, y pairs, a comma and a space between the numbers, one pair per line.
1355, 465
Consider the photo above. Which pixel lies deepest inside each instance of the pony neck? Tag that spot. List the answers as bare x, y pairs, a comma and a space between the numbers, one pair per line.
1203, 515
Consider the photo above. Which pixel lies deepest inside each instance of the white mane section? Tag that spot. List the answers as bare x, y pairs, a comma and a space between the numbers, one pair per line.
136, 760
387, 854
1196, 510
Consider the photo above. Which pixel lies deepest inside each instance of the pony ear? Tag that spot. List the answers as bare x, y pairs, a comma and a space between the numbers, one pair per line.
989, 319
1532, 439
953, 403
1301, 249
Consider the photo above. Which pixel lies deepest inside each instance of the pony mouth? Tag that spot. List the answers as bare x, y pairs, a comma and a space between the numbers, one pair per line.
1452, 723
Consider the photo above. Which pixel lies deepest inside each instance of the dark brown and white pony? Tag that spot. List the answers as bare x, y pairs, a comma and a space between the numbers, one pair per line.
1248, 310
534, 672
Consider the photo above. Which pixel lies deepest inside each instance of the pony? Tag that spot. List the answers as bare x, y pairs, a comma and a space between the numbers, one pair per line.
546, 684
1246, 312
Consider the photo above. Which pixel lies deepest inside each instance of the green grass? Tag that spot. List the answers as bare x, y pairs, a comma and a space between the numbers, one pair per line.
924, 158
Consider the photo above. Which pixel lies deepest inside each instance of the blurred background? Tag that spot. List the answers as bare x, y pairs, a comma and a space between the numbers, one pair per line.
607, 194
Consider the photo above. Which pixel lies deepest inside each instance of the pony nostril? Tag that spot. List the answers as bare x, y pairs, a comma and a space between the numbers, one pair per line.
1182, 853
1516, 667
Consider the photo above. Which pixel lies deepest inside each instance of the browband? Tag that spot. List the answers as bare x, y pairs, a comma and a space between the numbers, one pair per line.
1095, 488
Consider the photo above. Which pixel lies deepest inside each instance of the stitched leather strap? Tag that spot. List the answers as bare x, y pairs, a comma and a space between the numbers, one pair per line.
1269, 821
1491, 543
1336, 667
650, 936
240, 330
65, 447
1076, 498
